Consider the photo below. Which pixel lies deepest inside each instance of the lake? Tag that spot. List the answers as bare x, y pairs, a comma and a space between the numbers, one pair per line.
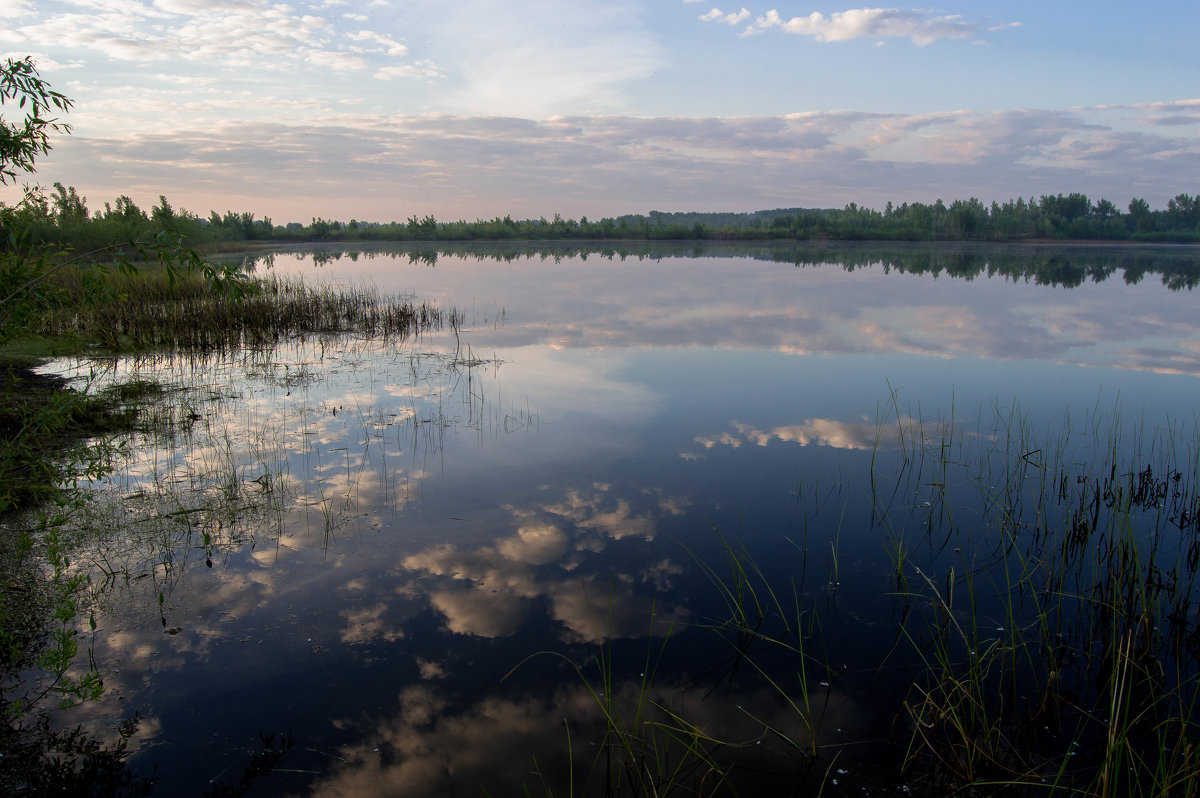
707, 517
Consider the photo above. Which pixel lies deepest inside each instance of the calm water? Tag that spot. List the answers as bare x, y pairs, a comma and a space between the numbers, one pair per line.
361, 543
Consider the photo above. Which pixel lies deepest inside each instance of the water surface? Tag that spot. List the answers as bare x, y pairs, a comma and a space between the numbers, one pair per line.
365, 544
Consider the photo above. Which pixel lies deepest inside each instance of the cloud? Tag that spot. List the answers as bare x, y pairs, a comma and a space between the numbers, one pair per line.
716, 15
536, 544
117, 35
488, 592
15, 8
434, 743
340, 62
855, 435
249, 36
369, 623
313, 161
43, 62
724, 439
387, 43
923, 27
423, 69
481, 612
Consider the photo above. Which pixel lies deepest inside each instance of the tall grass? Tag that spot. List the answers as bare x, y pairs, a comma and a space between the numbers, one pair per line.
1055, 622
646, 744
152, 309
1047, 608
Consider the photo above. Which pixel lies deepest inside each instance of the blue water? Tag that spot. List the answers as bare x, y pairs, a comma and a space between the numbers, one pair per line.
395, 528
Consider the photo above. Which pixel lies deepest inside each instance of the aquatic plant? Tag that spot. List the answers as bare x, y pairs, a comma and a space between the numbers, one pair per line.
152, 309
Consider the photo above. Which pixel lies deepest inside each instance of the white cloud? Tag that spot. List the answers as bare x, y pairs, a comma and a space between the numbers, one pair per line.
923, 27
1168, 107
117, 35
418, 69
195, 7
343, 165
389, 45
15, 8
250, 37
717, 15
548, 59
340, 62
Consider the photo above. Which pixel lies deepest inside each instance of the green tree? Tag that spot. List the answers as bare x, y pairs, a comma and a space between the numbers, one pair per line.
966, 219
21, 143
1105, 210
1139, 216
1183, 212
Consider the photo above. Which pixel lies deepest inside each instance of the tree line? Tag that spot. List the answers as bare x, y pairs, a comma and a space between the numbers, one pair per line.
60, 217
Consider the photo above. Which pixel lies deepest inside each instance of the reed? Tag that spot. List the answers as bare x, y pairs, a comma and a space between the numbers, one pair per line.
645, 745
1060, 647
155, 310
1047, 607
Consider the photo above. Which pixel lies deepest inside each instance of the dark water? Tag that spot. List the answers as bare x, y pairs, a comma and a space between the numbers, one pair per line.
398, 552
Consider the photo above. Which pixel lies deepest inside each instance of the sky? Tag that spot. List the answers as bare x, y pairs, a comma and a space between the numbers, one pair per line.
378, 110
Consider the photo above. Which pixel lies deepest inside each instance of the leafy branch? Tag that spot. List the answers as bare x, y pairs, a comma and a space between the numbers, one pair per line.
22, 142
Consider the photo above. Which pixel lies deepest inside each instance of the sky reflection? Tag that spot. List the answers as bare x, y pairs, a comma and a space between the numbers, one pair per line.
360, 540
731, 302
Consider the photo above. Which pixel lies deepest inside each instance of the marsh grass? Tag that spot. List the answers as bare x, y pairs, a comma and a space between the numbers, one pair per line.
1054, 619
207, 475
646, 745
63, 548
1046, 609
152, 309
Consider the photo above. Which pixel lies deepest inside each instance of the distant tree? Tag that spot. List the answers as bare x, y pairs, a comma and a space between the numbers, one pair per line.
1183, 212
1105, 210
966, 218
126, 209
1060, 211
163, 213
68, 205
1139, 216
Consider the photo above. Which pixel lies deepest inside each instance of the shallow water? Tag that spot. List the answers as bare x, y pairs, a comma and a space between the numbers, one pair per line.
395, 552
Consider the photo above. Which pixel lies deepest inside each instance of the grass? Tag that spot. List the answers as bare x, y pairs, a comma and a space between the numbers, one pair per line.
1047, 610
156, 310
51, 434
1054, 622
1045, 584
646, 745
55, 437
